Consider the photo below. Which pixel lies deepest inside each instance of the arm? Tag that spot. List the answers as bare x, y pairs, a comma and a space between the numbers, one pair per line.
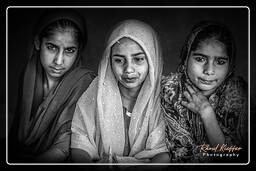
161, 158
178, 139
80, 156
199, 104
212, 128
83, 130
53, 155
235, 112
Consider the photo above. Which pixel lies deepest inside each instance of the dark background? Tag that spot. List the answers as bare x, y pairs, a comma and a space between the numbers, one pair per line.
172, 25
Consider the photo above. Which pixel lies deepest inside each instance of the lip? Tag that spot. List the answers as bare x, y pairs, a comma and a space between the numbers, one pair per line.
206, 82
57, 70
129, 79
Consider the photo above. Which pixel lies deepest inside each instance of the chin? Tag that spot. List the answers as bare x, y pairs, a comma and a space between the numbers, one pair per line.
130, 86
56, 76
206, 88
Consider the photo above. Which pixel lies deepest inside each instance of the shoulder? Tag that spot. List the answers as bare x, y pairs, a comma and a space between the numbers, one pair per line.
171, 80
89, 94
235, 94
80, 78
170, 87
82, 74
236, 87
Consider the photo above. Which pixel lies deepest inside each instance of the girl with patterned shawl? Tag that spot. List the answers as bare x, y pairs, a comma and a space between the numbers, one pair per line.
205, 105
52, 82
104, 127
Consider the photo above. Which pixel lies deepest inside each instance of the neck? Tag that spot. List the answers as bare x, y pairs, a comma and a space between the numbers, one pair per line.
129, 96
49, 84
207, 93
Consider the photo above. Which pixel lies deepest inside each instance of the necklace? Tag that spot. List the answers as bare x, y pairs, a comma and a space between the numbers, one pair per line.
128, 113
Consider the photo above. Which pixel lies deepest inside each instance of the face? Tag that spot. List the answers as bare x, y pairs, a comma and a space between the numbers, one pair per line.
129, 63
208, 65
58, 53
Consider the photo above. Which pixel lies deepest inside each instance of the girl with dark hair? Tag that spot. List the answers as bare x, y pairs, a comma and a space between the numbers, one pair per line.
52, 82
205, 105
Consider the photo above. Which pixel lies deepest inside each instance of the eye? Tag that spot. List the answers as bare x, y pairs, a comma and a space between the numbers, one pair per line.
118, 60
199, 59
221, 61
139, 59
70, 50
51, 47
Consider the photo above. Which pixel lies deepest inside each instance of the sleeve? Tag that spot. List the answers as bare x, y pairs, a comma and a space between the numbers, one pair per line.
155, 142
178, 140
83, 125
63, 138
235, 109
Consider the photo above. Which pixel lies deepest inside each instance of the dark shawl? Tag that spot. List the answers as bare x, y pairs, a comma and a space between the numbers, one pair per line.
44, 123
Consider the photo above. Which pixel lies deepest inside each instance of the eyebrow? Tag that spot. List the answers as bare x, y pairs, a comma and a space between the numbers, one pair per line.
139, 53
206, 56
49, 43
118, 55
135, 54
69, 47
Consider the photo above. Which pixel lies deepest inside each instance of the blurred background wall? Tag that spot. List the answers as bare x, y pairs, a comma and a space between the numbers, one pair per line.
171, 24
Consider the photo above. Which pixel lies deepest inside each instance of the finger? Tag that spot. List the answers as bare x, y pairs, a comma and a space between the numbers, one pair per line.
184, 103
188, 96
189, 106
115, 159
190, 89
195, 89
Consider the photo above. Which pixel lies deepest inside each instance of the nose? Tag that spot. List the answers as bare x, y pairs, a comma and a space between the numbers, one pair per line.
129, 68
209, 69
59, 58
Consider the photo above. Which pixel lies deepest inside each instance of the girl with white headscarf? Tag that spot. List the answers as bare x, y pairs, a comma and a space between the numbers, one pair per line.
119, 114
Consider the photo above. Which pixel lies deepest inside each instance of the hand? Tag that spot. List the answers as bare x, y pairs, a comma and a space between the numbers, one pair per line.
108, 158
197, 102
104, 158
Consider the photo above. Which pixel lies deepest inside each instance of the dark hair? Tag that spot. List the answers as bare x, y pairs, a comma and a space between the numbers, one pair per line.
208, 30
218, 32
52, 19
62, 24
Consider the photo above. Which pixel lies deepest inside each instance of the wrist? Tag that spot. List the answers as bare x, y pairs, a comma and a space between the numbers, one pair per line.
207, 113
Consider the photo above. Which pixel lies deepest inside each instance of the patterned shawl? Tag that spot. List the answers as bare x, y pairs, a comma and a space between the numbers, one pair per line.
185, 129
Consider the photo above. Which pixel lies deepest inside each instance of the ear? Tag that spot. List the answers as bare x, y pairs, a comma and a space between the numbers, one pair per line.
37, 43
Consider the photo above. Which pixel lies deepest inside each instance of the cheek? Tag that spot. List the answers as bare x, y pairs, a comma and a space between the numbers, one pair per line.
222, 73
117, 70
143, 70
193, 69
69, 61
45, 57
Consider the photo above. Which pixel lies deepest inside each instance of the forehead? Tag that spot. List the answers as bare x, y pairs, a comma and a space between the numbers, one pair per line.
212, 46
63, 36
126, 44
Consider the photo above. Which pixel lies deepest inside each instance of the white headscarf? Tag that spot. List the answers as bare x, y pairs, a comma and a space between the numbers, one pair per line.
98, 123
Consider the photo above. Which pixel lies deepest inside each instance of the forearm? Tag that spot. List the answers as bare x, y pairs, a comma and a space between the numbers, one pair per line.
53, 155
212, 128
80, 156
161, 158
128, 159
